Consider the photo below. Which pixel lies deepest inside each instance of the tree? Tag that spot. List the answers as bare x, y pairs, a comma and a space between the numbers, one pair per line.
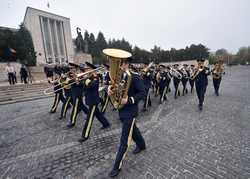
24, 47
221, 52
100, 43
91, 44
86, 41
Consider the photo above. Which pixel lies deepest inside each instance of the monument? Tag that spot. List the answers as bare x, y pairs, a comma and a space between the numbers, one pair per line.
51, 35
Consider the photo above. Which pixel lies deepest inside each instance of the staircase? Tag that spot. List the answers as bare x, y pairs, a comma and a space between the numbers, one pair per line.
22, 92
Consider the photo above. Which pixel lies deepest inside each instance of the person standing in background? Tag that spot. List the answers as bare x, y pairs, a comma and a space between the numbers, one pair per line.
11, 73
23, 74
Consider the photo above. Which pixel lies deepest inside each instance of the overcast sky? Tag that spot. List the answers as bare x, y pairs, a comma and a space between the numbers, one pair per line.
145, 23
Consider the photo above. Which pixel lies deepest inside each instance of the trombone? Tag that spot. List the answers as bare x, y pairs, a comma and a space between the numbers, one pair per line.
50, 90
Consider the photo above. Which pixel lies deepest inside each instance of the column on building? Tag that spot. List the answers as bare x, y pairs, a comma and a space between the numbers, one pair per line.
54, 42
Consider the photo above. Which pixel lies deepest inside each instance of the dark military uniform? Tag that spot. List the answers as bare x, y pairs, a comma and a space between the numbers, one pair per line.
155, 83
106, 82
92, 99
176, 85
77, 94
58, 95
68, 97
163, 82
201, 83
216, 81
191, 81
127, 116
147, 78
184, 80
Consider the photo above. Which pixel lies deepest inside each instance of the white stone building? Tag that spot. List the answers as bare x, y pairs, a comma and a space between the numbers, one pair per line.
51, 35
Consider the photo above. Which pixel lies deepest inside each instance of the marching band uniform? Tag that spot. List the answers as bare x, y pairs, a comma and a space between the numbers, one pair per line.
176, 81
77, 94
155, 82
68, 96
92, 99
162, 80
58, 94
201, 83
191, 81
184, 80
217, 76
146, 76
169, 77
106, 82
127, 115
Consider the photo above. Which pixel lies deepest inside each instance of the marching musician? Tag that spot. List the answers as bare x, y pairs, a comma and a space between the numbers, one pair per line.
191, 81
92, 99
184, 79
65, 80
106, 82
201, 81
127, 115
57, 90
169, 77
162, 81
217, 72
155, 82
77, 94
176, 79
147, 79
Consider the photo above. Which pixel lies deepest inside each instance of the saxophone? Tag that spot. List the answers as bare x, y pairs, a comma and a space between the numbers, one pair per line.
120, 79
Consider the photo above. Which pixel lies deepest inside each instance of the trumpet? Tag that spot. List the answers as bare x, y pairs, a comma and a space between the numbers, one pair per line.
78, 77
175, 73
145, 70
197, 72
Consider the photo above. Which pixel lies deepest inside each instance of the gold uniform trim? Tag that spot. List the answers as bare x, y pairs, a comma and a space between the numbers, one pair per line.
105, 104
90, 121
56, 102
128, 142
75, 111
66, 106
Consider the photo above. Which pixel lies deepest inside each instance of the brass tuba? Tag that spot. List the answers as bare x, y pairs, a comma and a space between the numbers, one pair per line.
120, 80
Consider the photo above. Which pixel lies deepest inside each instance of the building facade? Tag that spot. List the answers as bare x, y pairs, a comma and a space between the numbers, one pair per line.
51, 35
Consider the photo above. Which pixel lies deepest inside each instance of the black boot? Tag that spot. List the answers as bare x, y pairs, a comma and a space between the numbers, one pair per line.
83, 139
200, 107
105, 127
69, 126
138, 150
114, 172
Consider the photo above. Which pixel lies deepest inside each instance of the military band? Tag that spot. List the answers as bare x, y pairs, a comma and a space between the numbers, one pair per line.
123, 88
217, 72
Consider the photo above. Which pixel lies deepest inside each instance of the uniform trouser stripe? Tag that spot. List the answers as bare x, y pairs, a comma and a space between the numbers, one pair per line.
147, 100
90, 120
75, 111
129, 141
105, 104
66, 106
55, 102
163, 93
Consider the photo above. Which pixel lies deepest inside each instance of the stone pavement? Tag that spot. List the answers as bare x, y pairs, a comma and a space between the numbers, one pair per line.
181, 141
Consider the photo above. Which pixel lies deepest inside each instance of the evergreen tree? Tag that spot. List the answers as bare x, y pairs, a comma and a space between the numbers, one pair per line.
25, 48
100, 43
92, 44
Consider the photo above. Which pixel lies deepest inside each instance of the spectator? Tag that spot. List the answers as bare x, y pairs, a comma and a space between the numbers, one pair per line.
23, 74
11, 73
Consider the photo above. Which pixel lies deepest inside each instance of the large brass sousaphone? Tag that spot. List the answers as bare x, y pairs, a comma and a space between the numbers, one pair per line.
120, 80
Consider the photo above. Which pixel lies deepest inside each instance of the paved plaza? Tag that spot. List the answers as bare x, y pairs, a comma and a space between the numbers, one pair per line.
181, 141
